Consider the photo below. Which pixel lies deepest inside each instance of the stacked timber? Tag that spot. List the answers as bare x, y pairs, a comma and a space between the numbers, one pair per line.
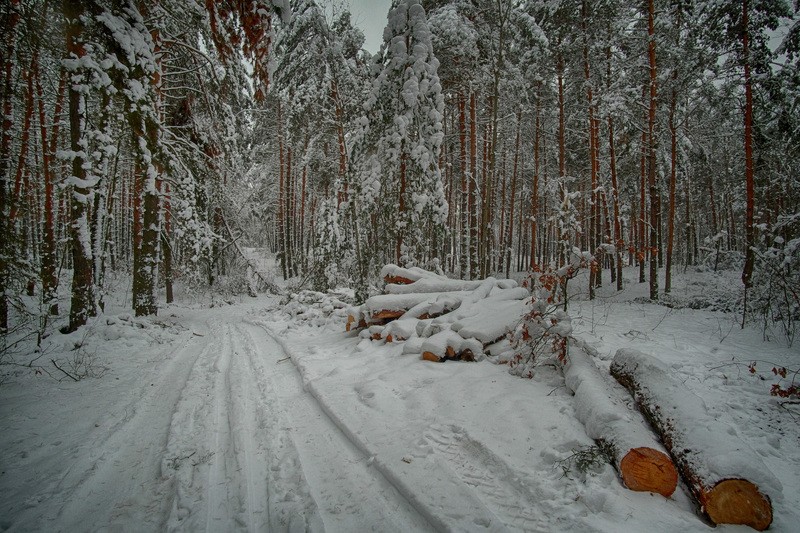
441, 319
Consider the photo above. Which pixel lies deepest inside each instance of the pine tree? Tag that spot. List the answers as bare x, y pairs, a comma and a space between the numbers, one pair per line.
400, 194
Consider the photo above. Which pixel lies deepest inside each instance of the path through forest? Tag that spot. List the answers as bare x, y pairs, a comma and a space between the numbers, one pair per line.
213, 432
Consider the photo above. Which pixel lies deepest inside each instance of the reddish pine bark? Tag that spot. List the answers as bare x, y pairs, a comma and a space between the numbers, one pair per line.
651, 151
5, 153
48, 245
25, 135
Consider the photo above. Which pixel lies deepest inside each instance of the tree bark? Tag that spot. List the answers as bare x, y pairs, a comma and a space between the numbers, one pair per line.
465, 182
535, 188
672, 184
5, 154
651, 151
473, 186
82, 304
48, 248
281, 195
510, 238
145, 126
749, 228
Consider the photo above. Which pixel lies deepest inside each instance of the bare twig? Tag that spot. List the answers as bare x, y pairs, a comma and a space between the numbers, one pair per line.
64, 371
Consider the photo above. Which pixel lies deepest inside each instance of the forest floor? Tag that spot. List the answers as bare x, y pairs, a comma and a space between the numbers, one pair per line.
238, 416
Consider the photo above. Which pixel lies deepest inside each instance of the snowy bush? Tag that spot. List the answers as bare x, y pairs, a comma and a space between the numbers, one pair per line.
544, 330
775, 296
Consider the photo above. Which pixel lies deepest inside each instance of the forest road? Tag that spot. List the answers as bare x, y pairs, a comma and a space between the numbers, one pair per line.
218, 434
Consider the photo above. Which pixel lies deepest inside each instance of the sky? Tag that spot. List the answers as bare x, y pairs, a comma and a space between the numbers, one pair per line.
370, 16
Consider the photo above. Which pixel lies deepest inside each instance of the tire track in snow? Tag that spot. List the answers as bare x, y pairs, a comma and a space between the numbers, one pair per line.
235, 469
127, 459
278, 496
253, 466
521, 506
352, 496
219, 512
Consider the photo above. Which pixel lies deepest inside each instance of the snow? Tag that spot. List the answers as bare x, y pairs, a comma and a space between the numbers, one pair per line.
263, 415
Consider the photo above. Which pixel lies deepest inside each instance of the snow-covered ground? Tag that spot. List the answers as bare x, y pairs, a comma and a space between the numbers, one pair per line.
243, 417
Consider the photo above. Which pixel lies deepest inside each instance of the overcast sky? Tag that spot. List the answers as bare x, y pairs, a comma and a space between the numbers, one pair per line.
370, 16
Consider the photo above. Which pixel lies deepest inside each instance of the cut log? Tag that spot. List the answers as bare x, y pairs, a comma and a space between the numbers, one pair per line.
400, 330
725, 476
447, 345
387, 314
397, 280
491, 319
602, 406
432, 357
404, 276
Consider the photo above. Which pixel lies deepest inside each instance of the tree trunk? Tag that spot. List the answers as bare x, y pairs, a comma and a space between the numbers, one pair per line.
24, 142
281, 196
535, 191
9, 45
594, 219
48, 249
473, 186
145, 125
672, 183
641, 239
83, 303
651, 152
466, 273
749, 228
510, 237
166, 242
618, 242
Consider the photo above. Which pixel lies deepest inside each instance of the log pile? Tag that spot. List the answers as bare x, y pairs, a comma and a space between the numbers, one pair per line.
725, 476
441, 319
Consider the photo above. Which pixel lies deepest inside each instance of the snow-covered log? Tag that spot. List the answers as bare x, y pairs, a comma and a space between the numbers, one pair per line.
402, 276
601, 406
392, 306
493, 318
726, 476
